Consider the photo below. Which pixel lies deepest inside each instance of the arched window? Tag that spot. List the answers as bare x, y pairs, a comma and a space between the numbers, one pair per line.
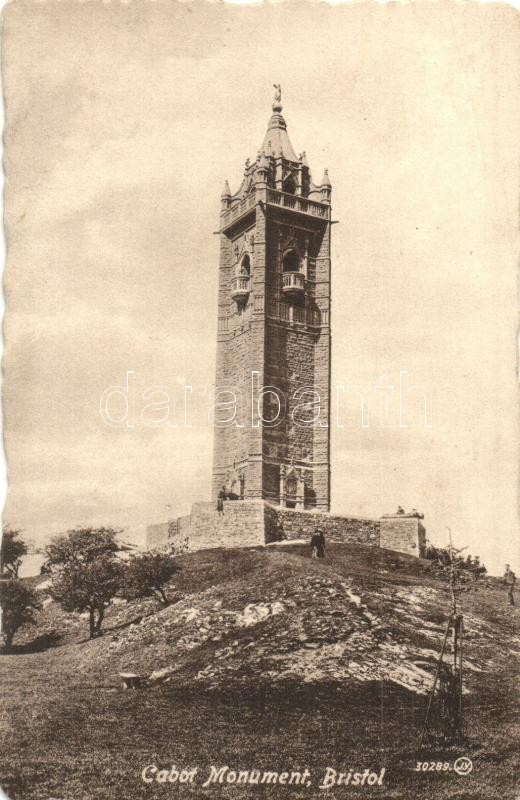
289, 185
291, 491
291, 485
245, 266
291, 262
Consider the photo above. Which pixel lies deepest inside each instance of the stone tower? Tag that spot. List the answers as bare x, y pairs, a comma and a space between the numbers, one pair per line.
271, 401
272, 435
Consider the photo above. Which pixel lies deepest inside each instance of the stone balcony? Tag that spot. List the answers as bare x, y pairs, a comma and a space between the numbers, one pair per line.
290, 202
238, 210
240, 288
298, 204
293, 283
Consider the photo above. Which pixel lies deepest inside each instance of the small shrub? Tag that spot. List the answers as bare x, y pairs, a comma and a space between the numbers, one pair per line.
147, 575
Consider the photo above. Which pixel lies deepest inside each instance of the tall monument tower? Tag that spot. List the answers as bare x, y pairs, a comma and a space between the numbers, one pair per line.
273, 349
272, 394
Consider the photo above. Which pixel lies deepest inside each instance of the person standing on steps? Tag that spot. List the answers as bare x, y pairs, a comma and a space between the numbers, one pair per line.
220, 501
510, 580
318, 545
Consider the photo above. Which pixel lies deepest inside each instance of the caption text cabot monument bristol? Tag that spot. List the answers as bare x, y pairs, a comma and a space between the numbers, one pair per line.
271, 460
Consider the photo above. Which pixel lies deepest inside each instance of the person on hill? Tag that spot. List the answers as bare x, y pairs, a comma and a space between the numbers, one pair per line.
220, 500
510, 580
318, 545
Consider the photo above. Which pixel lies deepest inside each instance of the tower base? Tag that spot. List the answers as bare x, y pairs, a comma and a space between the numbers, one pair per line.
253, 523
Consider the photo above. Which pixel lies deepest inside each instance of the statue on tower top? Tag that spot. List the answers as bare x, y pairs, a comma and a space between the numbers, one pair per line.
277, 104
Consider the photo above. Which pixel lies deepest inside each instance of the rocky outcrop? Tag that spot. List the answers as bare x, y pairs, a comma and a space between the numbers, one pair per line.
295, 620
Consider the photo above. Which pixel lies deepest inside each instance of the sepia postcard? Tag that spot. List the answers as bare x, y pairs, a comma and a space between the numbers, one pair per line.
260, 401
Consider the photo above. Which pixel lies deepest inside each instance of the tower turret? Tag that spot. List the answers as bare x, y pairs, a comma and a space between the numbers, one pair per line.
225, 197
326, 187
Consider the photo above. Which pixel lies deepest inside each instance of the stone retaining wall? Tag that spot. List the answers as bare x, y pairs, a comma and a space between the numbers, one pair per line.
250, 523
302, 524
404, 533
241, 525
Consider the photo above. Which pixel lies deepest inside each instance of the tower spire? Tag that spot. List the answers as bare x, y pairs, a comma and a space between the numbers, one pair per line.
276, 141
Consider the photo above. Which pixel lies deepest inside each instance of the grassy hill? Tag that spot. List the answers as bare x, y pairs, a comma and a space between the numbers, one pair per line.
269, 660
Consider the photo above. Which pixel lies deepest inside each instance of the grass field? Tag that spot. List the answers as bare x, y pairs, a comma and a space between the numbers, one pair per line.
69, 731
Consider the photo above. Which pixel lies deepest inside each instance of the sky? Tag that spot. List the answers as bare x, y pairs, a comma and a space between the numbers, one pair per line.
122, 123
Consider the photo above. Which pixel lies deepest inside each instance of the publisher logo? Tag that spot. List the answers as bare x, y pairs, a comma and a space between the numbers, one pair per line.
463, 765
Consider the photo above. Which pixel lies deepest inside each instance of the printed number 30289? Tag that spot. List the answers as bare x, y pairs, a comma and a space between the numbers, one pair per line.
432, 766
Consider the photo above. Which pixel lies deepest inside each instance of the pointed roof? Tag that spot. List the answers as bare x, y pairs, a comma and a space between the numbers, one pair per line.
226, 191
276, 140
326, 180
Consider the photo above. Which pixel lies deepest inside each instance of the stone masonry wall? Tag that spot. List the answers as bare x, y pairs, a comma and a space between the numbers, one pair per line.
404, 533
302, 524
297, 358
253, 523
241, 525
240, 351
